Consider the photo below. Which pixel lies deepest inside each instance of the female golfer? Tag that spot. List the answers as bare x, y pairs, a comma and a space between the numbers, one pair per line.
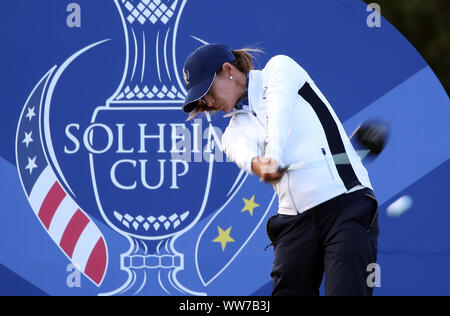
327, 215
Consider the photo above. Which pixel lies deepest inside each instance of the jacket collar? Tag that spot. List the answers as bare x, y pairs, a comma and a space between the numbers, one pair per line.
254, 91
244, 100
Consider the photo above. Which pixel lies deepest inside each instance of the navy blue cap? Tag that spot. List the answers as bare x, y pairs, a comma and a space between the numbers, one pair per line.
200, 70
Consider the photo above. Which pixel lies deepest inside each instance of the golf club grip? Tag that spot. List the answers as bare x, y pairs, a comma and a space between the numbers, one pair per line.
339, 159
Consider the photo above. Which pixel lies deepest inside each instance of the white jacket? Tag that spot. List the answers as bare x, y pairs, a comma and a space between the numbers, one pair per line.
282, 124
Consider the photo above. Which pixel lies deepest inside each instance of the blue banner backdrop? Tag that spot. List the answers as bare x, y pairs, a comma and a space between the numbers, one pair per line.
105, 189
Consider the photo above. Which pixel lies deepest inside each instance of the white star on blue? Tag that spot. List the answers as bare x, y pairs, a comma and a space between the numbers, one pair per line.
30, 113
27, 140
31, 164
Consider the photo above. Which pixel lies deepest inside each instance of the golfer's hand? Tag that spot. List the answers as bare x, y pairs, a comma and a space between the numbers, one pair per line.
267, 169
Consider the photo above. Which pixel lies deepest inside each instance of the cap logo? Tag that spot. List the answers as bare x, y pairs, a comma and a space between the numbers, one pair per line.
186, 76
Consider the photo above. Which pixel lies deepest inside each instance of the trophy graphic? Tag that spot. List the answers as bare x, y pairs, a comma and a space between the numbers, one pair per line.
143, 191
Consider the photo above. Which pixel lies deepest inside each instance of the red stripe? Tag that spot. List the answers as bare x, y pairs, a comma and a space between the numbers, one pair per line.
51, 203
96, 266
73, 232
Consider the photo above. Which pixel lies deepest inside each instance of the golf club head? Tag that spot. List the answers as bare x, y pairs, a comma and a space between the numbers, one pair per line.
373, 135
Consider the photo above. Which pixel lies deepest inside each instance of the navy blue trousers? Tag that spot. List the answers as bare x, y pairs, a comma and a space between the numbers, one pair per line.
338, 238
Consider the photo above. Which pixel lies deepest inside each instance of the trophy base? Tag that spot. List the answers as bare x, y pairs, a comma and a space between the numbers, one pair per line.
152, 274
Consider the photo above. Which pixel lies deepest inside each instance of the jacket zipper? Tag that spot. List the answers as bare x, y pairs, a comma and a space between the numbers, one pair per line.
326, 160
255, 115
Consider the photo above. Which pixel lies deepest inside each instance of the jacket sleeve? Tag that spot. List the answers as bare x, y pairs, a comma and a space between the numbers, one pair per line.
284, 78
239, 144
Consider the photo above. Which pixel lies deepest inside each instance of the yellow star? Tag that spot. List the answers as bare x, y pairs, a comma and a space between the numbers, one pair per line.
224, 237
249, 205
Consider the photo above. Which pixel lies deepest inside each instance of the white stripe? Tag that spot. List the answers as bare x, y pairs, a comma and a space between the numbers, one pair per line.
85, 245
61, 219
41, 188
165, 54
157, 56
144, 44
135, 54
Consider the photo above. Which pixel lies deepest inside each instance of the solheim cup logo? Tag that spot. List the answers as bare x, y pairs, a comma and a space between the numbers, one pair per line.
150, 171
147, 163
138, 153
